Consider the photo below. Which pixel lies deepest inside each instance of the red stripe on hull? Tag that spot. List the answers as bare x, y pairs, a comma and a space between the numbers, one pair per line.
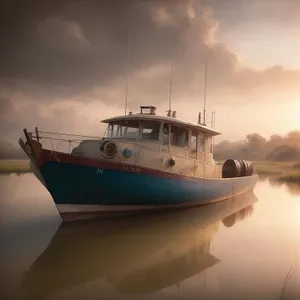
48, 155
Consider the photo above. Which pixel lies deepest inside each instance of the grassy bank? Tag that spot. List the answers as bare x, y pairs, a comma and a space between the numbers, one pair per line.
294, 177
274, 168
14, 166
281, 171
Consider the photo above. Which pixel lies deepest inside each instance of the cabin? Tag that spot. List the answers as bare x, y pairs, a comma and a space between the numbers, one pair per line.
161, 142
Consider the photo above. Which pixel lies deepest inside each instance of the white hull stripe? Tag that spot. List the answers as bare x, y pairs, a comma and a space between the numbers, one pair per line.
74, 208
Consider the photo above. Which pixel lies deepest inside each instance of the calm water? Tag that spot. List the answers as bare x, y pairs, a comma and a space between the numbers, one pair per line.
247, 248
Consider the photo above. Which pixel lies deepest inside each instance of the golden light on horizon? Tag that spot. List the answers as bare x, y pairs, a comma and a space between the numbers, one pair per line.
298, 216
297, 108
297, 114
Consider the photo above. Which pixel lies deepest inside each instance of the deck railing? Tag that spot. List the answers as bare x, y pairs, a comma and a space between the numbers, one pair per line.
60, 141
66, 142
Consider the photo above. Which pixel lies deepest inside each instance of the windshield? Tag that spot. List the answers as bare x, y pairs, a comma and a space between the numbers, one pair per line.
129, 129
150, 130
134, 129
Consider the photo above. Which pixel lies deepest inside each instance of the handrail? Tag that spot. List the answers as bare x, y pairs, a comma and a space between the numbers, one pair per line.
62, 133
37, 135
56, 139
62, 138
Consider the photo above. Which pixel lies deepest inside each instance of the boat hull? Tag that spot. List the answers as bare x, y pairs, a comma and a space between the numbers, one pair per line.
84, 188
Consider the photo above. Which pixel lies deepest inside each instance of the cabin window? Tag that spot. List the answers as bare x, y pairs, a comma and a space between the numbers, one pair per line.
179, 136
201, 142
194, 142
193, 145
165, 134
113, 130
132, 129
129, 129
150, 130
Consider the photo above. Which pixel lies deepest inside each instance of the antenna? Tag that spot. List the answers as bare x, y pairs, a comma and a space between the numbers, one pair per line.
205, 84
170, 92
199, 118
213, 114
126, 79
213, 125
214, 120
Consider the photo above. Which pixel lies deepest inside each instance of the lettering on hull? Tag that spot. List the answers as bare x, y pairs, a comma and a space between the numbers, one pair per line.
132, 169
100, 171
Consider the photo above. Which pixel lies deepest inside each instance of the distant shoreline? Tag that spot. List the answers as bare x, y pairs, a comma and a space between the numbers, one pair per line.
17, 166
281, 171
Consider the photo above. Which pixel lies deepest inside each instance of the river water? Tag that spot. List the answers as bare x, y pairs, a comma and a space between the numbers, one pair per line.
244, 248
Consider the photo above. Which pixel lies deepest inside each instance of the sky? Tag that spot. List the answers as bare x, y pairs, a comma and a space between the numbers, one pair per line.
63, 63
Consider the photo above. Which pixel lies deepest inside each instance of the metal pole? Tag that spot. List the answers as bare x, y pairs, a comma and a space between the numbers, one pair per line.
205, 84
126, 79
170, 91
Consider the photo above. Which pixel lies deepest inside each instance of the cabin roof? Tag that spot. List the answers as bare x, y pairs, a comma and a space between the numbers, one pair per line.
167, 119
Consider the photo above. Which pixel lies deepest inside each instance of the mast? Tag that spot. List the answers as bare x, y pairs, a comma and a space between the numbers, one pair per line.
126, 75
205, 84
213, 118
213, 126
170, 90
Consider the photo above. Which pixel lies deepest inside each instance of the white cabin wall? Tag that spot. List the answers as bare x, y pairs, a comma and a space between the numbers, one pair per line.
149, 158
155, 155
200, 169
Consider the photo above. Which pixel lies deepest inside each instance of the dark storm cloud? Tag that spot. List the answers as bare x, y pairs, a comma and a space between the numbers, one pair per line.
83, 42
63, 48
66, 47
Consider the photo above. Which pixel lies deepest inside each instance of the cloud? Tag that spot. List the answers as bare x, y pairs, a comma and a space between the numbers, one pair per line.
82, 44
64, 35
62, 52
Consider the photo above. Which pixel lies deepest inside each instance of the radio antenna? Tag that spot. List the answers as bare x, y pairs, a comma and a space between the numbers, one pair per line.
205, 84
170, 91
127, 67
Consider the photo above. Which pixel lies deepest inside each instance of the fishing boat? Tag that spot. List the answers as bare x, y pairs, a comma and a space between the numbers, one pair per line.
144, 161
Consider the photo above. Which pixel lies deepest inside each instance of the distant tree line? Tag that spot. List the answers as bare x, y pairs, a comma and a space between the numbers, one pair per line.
256, 147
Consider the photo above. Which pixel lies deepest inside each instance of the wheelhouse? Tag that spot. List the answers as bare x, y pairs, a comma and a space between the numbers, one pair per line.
193, 140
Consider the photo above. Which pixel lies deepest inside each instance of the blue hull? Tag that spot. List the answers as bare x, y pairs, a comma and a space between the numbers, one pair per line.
78, 184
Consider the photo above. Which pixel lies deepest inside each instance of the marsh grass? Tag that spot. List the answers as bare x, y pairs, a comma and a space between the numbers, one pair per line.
294, 177
274, 168
14, 166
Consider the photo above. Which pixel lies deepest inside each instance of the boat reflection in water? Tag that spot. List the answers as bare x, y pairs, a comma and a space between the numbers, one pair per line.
139, 255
